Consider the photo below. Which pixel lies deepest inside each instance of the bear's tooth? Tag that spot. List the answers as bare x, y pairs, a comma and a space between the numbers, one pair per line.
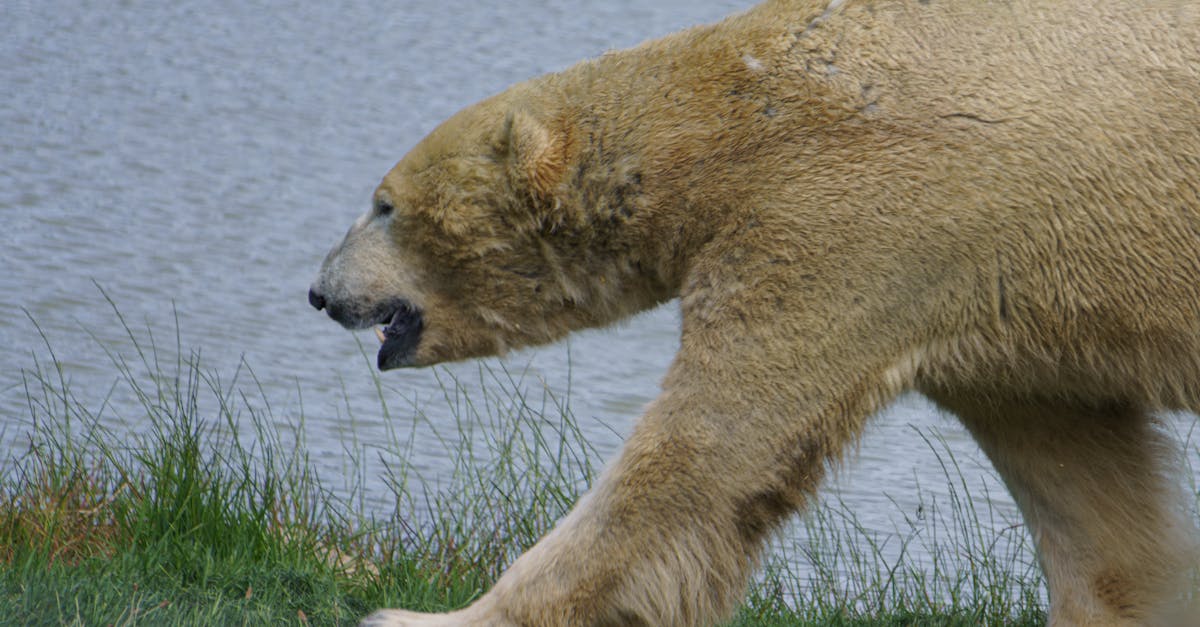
379, 334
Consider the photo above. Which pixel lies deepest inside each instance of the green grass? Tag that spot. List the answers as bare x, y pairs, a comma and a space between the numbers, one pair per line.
211, 514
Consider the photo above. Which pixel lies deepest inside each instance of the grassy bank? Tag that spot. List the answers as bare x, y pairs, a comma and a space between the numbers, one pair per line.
211, 514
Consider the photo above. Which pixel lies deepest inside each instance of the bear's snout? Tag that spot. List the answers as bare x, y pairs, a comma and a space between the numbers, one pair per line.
354, 313
401, 320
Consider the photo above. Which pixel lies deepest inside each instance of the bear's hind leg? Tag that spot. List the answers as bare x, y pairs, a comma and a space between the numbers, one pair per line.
1097, 489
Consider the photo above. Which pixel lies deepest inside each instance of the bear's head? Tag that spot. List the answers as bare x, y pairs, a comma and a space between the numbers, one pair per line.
485, 237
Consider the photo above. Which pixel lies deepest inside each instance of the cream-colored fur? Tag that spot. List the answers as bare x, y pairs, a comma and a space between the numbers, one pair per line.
997, 204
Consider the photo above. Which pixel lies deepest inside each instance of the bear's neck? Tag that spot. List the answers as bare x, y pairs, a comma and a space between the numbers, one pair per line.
669, 138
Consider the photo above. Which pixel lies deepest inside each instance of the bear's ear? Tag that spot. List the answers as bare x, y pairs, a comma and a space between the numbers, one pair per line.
536, 153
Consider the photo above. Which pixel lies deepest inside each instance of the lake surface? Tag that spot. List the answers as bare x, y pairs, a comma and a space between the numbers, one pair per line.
196, 160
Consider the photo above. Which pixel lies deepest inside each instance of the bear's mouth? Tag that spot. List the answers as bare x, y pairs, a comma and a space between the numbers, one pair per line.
399, 337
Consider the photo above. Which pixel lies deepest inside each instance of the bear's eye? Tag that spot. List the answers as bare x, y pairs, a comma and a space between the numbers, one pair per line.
384, 208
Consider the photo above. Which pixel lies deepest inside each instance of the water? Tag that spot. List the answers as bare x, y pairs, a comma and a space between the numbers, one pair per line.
201, 159
197, 159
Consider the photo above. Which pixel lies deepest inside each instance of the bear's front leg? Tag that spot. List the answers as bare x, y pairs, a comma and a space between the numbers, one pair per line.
661, 539
671, 532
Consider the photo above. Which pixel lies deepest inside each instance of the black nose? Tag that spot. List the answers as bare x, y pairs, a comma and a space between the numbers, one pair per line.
316, 300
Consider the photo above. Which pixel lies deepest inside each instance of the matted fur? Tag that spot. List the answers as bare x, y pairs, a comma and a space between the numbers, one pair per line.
997, 204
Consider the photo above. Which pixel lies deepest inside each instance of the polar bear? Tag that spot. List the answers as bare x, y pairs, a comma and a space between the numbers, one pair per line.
995, 204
